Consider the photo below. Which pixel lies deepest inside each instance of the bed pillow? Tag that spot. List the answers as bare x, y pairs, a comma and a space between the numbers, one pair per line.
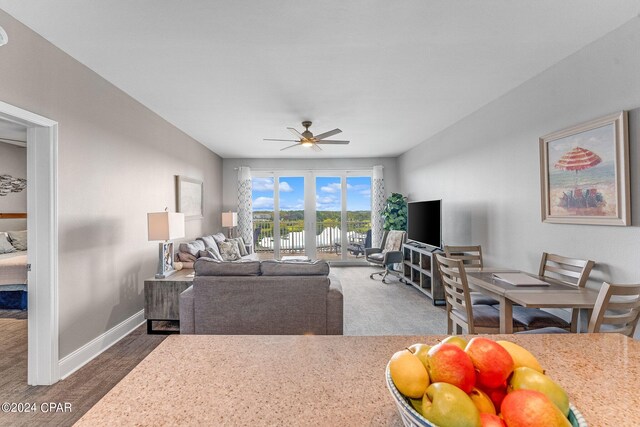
5, 246
18, 239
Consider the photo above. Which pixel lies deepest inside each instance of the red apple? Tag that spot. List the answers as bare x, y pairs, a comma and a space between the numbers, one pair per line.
449, 364
496, 394
490, 420
492, 362
530, 408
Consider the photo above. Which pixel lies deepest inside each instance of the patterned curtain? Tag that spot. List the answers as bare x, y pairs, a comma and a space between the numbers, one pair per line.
245, 209
378, 199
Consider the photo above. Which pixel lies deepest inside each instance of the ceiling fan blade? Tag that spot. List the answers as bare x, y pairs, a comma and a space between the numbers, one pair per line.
315, 147
284, 140
290, 146
327, 134
296, 133
332, 141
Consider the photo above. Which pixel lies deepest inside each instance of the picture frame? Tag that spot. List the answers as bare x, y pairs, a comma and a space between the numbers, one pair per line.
584, 173
189, 195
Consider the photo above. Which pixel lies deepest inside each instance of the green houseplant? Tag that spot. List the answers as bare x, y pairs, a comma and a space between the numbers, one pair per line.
395, 212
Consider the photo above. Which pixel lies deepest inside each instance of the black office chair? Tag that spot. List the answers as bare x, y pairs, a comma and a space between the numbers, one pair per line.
389, 253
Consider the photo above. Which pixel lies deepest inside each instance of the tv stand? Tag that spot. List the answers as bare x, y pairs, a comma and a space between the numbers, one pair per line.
420, 271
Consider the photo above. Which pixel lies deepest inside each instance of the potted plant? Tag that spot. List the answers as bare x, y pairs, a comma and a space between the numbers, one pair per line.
394, 214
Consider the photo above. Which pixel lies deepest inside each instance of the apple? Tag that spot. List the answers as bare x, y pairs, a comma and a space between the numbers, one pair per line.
490, 420
492, 362
530, 408
530, 379
448, 363
456, 340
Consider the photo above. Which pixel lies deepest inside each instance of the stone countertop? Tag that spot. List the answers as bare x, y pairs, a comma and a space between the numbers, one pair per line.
339, 380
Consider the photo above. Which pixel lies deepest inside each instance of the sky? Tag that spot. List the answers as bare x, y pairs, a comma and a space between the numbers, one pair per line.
328, 193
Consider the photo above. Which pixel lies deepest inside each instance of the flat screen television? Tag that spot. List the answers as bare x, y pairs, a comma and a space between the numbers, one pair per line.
424, 222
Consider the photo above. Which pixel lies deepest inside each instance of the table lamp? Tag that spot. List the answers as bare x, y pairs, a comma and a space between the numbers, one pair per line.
229, 220
165, 226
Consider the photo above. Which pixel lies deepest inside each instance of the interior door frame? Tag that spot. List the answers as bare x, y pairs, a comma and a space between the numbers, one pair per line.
42, 226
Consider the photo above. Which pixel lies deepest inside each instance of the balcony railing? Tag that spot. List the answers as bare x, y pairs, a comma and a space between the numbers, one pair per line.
293, 236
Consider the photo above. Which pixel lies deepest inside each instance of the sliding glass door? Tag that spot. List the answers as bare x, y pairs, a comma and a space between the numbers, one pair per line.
312, 214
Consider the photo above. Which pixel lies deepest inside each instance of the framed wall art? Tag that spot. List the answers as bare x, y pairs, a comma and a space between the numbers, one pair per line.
189, 194
584, 173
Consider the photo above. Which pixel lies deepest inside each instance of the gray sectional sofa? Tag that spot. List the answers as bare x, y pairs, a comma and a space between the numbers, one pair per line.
262, 298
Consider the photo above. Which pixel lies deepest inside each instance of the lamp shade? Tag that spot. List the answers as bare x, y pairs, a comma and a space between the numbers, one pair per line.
229, 219
165, 225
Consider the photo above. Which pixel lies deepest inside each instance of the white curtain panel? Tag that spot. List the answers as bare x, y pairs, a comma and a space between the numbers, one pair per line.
378, 198
245, 209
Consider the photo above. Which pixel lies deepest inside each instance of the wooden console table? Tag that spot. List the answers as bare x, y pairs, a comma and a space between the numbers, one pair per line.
162, 298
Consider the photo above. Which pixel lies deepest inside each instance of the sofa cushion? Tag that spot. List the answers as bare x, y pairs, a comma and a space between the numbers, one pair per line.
219, 237
186, 257
212, 267
192, 248
229, 251
279, 268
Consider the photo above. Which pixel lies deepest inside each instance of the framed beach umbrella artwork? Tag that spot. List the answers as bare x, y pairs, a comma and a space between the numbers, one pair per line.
584, 173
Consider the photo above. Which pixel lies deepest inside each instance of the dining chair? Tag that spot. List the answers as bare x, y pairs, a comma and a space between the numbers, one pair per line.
461, 313
617, 309
390, 252
471, 256
570, 271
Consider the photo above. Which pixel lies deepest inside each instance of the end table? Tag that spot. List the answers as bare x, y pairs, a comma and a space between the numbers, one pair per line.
162, 298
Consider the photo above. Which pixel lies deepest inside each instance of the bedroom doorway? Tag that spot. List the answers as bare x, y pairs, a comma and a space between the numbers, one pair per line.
42, 242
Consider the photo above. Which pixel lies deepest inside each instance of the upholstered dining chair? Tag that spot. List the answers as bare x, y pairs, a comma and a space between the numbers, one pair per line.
462, 315
617, 309
570, 271
471, 256
389, 253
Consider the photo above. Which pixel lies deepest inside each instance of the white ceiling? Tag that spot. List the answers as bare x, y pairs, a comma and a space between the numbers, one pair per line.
389, 74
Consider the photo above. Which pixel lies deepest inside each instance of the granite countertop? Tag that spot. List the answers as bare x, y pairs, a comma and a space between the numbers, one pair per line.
339, 380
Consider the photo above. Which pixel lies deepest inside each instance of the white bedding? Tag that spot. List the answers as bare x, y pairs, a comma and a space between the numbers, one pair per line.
13, 270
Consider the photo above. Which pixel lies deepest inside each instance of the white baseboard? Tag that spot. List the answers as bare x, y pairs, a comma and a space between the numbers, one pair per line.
76, 360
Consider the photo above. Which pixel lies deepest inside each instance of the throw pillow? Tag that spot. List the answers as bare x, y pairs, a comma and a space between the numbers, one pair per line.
229, 250
241, 246
186, 257
394, 241
209, 253
18, 239
5, 246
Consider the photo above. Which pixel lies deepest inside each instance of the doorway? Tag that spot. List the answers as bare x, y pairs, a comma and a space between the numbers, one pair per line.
42, 243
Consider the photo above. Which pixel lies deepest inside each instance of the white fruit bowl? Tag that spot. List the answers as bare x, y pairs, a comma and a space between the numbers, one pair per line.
411, 418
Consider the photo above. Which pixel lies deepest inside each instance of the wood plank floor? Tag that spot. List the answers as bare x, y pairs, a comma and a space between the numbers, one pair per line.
370, 308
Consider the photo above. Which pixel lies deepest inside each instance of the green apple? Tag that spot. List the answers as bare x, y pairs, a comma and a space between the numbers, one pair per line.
420, 351
446, 405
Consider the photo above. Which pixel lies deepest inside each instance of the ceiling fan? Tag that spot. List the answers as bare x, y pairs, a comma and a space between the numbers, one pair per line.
306, 138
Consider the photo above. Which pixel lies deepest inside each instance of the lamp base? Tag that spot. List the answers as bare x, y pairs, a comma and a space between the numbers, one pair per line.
165, 260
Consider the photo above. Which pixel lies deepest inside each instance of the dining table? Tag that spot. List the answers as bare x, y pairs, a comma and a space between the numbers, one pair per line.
553, 294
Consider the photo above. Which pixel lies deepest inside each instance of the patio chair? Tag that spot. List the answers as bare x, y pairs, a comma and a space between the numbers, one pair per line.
357, 248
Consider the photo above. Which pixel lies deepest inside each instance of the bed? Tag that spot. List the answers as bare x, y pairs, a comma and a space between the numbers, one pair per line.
13, 280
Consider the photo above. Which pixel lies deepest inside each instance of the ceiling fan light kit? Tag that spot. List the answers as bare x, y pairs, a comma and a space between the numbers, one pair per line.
306, 138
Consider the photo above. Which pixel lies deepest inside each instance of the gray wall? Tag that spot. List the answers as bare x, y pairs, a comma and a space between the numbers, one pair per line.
230, 175
486, 167
117, 161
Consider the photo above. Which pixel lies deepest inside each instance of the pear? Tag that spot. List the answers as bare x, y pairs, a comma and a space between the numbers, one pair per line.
530, 408
524, 378
408, 374
521, 356
482, 401
420, 351
446, 405
456, 340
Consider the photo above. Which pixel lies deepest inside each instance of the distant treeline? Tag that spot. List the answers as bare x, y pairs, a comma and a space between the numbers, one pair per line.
295, 220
